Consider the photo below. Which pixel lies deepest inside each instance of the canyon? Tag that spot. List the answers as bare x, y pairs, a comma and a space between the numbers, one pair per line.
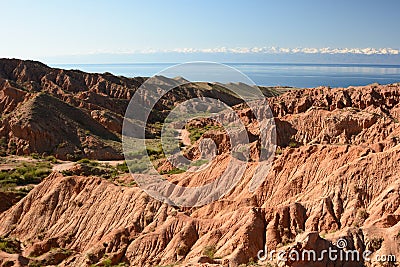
335, 176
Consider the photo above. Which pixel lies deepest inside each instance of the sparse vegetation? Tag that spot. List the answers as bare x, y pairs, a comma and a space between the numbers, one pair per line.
199, 162
173, 171
252, 262
92, 167
34, 264
286, 241
137, 165
182, 250
209, 251
293, 144
35, 156
197, 132
108, 263
363, 214
3, 147
154, 149
24, 174
9, 245
122, 167
51, 159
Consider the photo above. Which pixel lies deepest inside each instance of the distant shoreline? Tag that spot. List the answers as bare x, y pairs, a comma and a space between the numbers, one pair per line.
301, 75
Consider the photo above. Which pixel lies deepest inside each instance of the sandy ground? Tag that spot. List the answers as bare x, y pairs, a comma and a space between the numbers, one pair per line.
63, 166
184, 137
66, 165
10, 162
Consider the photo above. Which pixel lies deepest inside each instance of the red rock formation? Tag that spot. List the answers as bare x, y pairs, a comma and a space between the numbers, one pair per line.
335, 174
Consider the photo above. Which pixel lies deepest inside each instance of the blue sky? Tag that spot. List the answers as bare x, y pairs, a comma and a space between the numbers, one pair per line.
51, 28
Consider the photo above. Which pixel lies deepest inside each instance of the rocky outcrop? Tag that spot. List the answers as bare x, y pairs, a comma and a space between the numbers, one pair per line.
335, 175
101, 99
98, 220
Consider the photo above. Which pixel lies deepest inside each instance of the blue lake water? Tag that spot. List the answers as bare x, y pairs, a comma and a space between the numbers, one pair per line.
271, 74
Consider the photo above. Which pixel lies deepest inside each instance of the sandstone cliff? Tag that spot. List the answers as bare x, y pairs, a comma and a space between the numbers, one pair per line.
335, 175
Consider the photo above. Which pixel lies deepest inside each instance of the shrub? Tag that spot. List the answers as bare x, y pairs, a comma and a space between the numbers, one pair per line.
10, 246
84, 160
51, 159
173, 171
196, 133
293, 144
199, 162
123, 167
107, 263
35, 155
182, 250
363, 214
12, 148
3, 147
137, 165
154, 151
209, 251
24, 174
252, 262
74, 157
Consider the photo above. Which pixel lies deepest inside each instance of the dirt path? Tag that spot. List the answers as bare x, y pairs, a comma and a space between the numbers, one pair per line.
63, 166
113, 163
184, 137
66, 165
11, 162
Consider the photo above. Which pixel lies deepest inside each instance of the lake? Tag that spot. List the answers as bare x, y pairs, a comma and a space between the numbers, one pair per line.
271, 74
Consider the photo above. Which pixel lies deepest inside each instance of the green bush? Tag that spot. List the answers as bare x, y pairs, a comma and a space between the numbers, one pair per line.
196, 133
199, 162
35, 155
137, 165
293, 144
209, 251
363, 214
3, 147
12, 149
123, 167
51, 159
24, 174
173, 171
107, 263
9, 245
84, 160
154, 151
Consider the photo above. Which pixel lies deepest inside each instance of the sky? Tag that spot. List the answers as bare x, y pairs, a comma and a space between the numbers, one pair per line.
52, 30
